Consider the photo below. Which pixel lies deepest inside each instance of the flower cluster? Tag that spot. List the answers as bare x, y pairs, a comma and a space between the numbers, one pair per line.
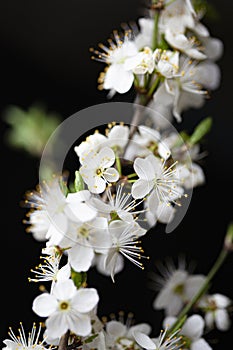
128, 179
170, 59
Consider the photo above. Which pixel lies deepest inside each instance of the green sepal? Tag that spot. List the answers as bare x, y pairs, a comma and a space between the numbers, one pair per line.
78, 182
200, 131
163, 43
79, 278
90, 339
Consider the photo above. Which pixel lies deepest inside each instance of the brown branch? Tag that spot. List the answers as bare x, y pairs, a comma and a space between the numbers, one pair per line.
63, 343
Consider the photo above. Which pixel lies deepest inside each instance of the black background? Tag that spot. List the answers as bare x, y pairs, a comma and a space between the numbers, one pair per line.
45, 58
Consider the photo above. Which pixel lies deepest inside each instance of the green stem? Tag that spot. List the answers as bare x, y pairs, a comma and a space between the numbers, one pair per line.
131, 181
153, 87
131, 175
218, 263
118, 165
155, 32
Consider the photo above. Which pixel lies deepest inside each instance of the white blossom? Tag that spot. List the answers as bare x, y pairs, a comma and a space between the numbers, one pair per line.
176, 287
116, 137
216, 313
116, 77
66, 308
192, 332
143, 62
119, 205
96, 170
86, 239
120, 336
22, 342
155, 176
188, 89
163, 342
55, 211
125, 242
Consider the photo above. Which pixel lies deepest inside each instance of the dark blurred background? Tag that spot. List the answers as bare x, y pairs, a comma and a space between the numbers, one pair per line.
45, 58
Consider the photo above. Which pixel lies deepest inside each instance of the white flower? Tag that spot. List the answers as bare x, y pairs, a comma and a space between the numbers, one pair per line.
188, 89
39, 224
191, 332
144, 38
120, 204
215, 307
116, 137
163, 342
66, 308
143, 62
97, 171
56, 210
176, 287
155, 176
92, 142
167, 62
174, 20
192, 173
120, 336
125, 240
86, 239
117, 77
21, 342
50, 270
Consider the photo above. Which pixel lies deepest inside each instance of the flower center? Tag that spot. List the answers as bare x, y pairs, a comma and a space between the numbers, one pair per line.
64, 305
179, 289
84, 231
99, 172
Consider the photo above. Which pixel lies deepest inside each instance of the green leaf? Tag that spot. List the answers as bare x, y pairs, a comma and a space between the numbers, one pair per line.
201, 130
78, 182
79, 278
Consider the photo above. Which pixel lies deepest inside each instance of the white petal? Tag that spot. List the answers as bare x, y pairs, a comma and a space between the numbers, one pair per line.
85, 299
64, 290
106, 157
80, 257
44, 305
169, 321
142, 327
141, 188
64, 273
117, 227
118, 78
165, 213
174, 306
100, 264
163, 150
56, 325
222, 320
116, 329
118, 135
193, 327
111, 175
110, 262
209, 319
192, 285
144, 169
80, 325
200, 344
144, 341
163, 298
221, 300
97, 185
